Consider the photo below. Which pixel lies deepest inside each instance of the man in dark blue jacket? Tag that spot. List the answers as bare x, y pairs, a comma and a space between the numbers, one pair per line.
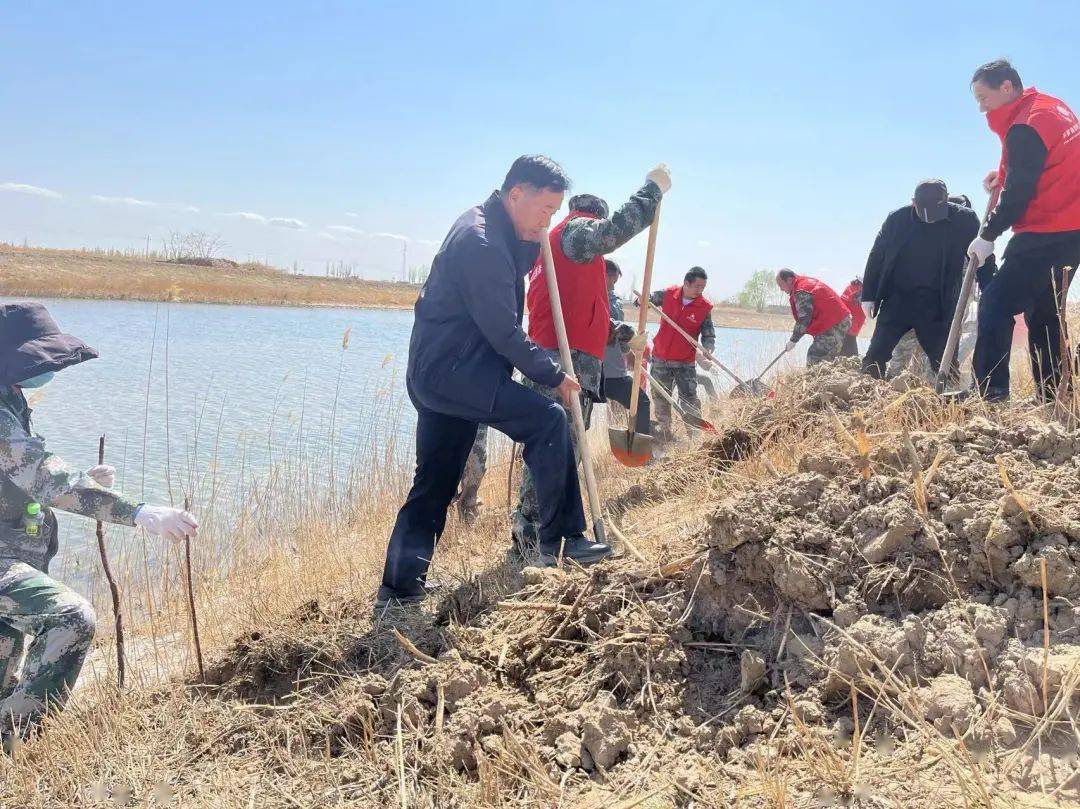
466, 342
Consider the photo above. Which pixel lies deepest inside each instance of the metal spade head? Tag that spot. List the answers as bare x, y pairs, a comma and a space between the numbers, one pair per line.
630, 448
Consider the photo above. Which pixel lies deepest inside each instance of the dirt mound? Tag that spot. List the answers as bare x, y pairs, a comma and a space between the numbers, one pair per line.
872, 619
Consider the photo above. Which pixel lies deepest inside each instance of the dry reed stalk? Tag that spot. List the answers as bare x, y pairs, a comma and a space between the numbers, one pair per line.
862, 443
932, 471
510, 480
399, 751
916, 473
539, 650
191, 601
539, 606
1062, 412
1019, 498
114, 590
1046, 637
410, 647
619, 535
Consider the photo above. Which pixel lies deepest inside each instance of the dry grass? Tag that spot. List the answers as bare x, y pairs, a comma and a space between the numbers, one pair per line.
42, 273
285, 587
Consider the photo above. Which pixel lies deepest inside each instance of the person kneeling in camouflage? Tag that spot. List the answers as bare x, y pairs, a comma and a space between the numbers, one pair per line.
58, 622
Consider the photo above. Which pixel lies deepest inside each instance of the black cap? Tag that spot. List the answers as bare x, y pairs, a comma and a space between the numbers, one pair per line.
31, 343
931, 200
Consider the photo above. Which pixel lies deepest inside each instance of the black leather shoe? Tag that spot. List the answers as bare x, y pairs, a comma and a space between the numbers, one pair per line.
578, 548
387, 602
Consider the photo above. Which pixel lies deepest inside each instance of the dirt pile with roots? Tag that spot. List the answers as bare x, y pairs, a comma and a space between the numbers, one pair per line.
865, 628
894, 576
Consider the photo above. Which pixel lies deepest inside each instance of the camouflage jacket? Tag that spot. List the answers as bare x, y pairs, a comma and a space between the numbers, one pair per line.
29, 473
804, 313
584, 239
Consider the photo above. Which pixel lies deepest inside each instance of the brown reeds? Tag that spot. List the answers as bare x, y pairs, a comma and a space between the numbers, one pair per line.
114, 589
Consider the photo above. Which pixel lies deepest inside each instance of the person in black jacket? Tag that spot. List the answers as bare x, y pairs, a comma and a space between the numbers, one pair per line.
913, 275
466, 341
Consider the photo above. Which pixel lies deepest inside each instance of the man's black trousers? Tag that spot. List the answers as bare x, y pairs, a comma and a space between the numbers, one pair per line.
895, 321
445, 431
618, 389
1030, 281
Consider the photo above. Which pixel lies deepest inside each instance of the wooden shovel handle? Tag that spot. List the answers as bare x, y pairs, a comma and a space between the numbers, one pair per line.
643, 316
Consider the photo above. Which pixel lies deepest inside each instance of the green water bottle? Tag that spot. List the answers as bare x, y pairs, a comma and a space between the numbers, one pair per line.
33, 519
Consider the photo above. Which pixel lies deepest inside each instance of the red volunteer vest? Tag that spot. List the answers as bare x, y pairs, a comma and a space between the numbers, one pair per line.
583, 292
669, 344
1056, 204
829, 309
858, 316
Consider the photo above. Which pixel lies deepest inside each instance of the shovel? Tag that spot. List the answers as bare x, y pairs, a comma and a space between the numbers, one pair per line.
695, 420
599, 534
628, 447
755, 387
693, 342
947, 359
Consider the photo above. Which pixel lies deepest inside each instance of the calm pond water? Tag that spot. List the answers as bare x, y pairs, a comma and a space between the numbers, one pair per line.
186, 392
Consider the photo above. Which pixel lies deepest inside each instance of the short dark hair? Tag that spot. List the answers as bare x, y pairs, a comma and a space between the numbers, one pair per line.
537, 171
611, 268
857, 281
785, 275
994, 74
694, 274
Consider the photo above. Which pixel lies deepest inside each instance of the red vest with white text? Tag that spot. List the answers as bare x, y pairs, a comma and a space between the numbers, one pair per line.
669, 344
828, 308
1056, 204
584, 296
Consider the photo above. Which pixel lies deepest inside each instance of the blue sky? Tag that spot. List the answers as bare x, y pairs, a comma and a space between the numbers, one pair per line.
791, 129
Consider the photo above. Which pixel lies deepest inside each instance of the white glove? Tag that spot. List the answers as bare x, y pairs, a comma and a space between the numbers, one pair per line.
103, 475
980, 250
790, 346
163, 521
990, 182
661, 175
638, 342
868, 308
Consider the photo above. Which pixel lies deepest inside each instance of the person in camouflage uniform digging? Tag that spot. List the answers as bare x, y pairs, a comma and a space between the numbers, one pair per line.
468, 496
674, 357
58, 622
818, 311
578, 245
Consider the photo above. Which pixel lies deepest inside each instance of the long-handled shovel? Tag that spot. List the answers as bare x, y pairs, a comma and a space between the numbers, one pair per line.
947, 359
742, 385
696, 420
628, 447
777, 359
599, 534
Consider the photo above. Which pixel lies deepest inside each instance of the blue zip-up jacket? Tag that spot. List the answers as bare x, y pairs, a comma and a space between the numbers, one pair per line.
467, 336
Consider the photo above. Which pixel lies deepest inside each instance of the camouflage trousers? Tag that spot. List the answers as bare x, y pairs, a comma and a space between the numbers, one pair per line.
909, 356
828, 345
59, 624
468, 496
587, 368
672, 376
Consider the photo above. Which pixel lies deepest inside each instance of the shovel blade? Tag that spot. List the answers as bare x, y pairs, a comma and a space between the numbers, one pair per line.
630, 448
751, 387
699, 423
